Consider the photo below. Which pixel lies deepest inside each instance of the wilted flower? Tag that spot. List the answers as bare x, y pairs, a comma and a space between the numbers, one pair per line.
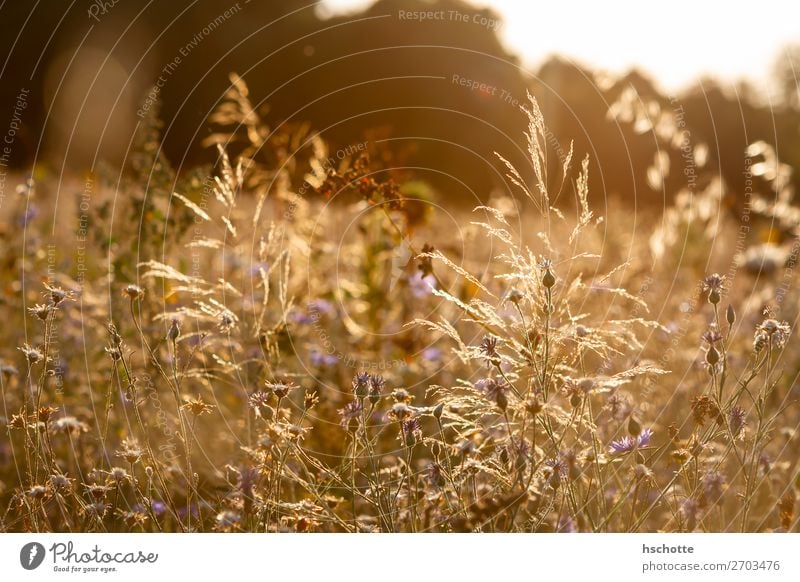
495, 390
280, 389
197, 406
60, 482
57, 294
712, 336
399, 411
69, 425
772, 332
133, 292
37, 492
350, 415
130, 451
40, 311
33, 355
258, 401
514, 296
736, 420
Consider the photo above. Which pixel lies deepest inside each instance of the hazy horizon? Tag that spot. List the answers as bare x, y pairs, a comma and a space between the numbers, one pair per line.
722, 55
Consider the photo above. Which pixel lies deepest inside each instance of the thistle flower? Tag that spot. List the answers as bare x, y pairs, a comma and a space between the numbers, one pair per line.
488, 349
361, 382
712, 336
495, 390
376, 386
715, 285
411, 431
736, 420
627, 443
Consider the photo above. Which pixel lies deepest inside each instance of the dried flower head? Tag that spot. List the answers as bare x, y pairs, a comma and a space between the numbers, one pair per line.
33, 355
280, 389
40, 311
771, 332
736, 421
134, 292
351, 414
56, 294
197, 406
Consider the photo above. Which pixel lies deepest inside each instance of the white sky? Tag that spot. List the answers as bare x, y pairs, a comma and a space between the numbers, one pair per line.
675, 41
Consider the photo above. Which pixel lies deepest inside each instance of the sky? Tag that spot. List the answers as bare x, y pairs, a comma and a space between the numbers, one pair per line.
726, 40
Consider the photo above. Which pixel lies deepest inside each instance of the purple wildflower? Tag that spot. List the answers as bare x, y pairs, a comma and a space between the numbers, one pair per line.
627, 444
421, 286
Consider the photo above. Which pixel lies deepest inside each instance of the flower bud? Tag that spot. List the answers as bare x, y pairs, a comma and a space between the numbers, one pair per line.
730, 315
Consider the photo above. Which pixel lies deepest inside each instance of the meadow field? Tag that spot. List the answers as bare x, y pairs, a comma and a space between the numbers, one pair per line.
298, 339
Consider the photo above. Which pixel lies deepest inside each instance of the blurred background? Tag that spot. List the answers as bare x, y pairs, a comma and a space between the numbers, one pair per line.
437, 82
